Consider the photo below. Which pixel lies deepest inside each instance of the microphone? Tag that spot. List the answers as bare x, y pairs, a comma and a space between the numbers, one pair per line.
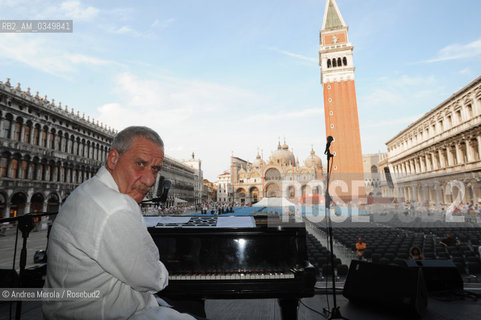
328, 144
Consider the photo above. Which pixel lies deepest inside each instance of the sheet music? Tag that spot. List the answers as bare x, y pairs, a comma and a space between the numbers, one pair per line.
236, 222
152, 221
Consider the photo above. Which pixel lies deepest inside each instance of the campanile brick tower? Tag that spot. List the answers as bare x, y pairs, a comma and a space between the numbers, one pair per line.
340, 106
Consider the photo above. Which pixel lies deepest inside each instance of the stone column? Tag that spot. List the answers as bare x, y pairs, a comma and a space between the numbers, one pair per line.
22, 131
40, 170
417, 166
28, 206
7, 203
55, 173
9, 167
470, 145
1, 133
441, 159
12, 129
20, 169
32, 129
434, 161
459, 153
449, 154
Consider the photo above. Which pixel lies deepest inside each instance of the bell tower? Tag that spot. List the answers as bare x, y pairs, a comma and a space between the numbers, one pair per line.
340, 106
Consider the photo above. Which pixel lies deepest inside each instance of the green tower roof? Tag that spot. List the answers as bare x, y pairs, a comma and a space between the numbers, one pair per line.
333, 16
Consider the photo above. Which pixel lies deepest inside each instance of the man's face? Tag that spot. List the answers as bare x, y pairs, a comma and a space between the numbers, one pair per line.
136, 169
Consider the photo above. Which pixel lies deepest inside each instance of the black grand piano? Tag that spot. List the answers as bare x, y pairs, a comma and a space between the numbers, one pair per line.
209, 260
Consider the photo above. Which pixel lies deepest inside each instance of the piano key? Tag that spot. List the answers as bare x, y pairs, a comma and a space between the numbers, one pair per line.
237, 276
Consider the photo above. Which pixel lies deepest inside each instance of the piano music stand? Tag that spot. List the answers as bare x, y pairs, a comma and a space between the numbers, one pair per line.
335, 312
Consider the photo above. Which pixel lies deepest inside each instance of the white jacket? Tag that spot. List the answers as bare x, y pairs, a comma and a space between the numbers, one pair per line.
99, 241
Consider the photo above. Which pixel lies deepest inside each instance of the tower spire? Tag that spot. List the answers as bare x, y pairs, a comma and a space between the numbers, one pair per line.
332, 16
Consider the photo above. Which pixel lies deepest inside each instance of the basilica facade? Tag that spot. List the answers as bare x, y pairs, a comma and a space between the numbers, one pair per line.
281, 176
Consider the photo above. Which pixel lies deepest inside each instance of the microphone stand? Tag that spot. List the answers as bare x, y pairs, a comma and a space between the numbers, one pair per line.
335, 312
25, 223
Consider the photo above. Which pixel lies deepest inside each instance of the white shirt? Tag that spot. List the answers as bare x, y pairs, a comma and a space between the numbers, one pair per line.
99, 241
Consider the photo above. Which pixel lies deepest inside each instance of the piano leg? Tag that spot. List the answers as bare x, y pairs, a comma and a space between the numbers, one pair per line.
288, 308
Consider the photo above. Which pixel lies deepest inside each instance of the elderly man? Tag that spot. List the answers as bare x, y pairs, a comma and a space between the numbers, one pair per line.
99, 241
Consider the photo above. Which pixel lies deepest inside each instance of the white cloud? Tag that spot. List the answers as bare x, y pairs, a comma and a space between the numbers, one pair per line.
309, 112
466, 71
458, 51
294, 55
126, 30
45, 54
75, 10
162, 24
71, 9
392, 122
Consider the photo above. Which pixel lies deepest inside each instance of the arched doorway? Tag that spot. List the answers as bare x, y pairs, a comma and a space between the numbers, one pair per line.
36, 203
53, 203
17, 204
254, 194
241, 195
273, 191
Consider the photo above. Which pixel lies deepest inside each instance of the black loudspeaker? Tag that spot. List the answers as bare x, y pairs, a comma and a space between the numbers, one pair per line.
386, 286
439, 275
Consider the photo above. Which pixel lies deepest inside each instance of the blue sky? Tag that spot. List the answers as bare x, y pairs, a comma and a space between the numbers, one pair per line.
220, 77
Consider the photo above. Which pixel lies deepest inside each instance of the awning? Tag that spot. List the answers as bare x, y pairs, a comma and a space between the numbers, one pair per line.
179, 200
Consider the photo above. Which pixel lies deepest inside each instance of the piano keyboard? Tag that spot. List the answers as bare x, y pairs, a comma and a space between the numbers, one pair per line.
232, 276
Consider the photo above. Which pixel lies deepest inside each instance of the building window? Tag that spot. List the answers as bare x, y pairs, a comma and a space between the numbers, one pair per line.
344, 61
18, 131
458, 116
13, 169
332, 125
51, 138
36, 136
44, 138
26, 134
469, 110
3, 167
6, 128
330, 99
328, 63
331, 113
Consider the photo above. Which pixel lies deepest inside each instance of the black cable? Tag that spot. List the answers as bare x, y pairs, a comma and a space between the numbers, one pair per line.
313, 310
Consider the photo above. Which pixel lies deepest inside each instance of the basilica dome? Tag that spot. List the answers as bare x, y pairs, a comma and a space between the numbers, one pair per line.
313, 161
258, 162
282, 156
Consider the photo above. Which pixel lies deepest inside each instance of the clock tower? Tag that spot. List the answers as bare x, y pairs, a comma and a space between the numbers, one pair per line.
340, 106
